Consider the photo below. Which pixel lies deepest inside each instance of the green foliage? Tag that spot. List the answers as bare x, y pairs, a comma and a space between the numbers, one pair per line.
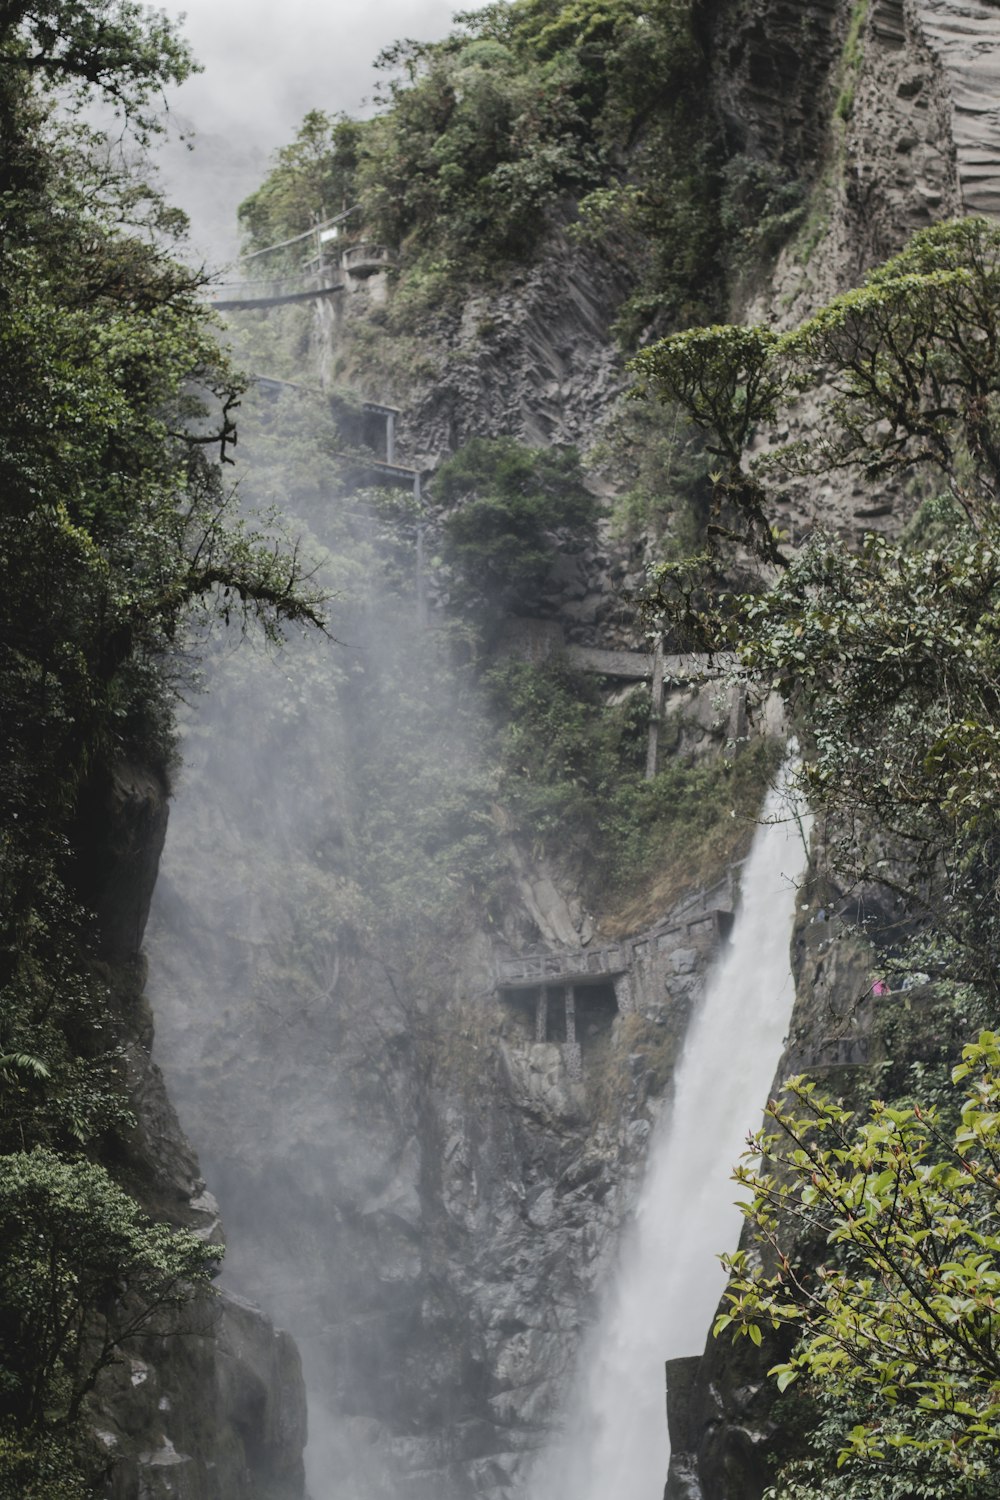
564, 754
660, 217
82, 1273
759, 208
484, 139
725, 379
850, 62
887, 658
116, 48
504, 502
41, 1468
116, 530
312, 180
904, 1298
62, 1074
914, 1474
660, 477
572, 771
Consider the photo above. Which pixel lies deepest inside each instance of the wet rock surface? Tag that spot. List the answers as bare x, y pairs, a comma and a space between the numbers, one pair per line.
434, 1228
213, 1405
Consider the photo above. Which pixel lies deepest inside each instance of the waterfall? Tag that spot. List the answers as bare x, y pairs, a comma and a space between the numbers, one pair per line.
668, 1281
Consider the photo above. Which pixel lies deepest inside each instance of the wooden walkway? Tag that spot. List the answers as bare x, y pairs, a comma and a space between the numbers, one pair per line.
708, 913
562, 968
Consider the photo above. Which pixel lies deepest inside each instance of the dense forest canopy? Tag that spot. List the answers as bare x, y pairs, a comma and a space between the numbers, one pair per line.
528, 116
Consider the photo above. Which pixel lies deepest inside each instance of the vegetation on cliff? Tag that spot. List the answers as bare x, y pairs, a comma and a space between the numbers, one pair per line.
528, 116
505, 502
115, 526
887, 658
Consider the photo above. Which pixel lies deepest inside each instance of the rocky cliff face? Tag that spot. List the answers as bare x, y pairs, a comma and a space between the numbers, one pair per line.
423, 1164
213, 1405
533, 357
890, 131
917, 142
423, 1170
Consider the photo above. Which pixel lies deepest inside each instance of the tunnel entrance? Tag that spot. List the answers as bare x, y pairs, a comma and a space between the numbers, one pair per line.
576, 1013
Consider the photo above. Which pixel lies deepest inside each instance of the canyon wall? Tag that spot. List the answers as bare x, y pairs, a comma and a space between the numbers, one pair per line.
424, 1177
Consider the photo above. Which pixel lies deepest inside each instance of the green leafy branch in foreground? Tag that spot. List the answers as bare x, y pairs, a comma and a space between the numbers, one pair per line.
83, 1272
880, 1249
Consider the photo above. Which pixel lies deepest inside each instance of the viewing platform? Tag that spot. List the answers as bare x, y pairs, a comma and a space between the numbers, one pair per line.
562, 968
571, 997
699, 925
378, 473
640, 666
366, 259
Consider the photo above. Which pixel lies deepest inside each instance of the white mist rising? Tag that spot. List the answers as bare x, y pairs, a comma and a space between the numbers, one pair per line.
264, 66
669, 1281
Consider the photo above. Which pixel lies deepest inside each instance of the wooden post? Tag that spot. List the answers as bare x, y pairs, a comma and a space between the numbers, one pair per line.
570, 1014
542, 1015
421, 578
655, 711
390, 437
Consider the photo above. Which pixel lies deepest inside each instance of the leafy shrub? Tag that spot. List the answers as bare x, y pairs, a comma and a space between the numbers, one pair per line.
83, 1272
506, 501
760, 207
572, 769
657, 461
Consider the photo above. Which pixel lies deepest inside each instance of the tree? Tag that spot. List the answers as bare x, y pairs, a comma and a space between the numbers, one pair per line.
887, 658
118, 534
878, 1242
312, 179
484, 140
504, 502
117, 48
83, 1273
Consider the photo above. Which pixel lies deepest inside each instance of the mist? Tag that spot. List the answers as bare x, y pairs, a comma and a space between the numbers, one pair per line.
264, 66
298, 1008
422, 1173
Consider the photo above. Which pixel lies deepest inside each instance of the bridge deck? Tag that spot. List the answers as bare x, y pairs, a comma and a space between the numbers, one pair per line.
243, 297
703, 919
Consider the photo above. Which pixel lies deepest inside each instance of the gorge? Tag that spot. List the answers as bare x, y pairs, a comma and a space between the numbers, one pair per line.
470, 953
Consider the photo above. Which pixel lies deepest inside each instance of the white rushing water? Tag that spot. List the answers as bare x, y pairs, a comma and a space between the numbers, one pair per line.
668, 1281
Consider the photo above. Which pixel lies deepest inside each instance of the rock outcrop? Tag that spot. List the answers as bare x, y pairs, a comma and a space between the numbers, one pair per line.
422, 1189
534, 357
213, 1404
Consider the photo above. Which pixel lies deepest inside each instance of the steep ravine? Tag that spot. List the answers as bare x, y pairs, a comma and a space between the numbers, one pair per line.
423, 1191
